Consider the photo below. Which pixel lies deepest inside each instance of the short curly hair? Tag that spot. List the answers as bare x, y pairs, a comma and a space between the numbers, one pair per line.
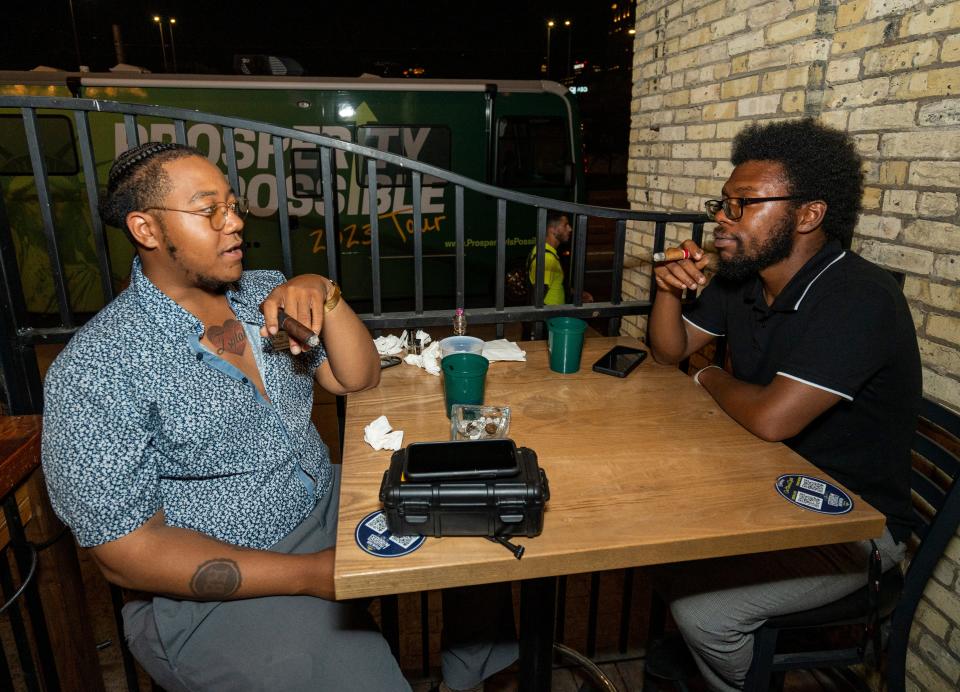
137, 180
820, 163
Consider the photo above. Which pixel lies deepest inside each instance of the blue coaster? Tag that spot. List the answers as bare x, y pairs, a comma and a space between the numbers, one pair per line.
373, 536
814, 494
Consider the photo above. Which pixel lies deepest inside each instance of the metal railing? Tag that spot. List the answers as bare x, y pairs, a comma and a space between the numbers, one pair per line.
21, 332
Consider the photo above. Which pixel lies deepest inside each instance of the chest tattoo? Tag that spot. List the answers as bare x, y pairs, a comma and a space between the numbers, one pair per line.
230, 337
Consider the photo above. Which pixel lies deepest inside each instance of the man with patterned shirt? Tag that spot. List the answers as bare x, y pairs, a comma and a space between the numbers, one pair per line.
178, 447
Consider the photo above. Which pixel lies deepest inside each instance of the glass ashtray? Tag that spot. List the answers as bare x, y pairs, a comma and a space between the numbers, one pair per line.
471, 422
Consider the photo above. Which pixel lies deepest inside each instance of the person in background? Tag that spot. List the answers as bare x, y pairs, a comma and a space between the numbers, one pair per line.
559, 232
555, 291
824, 358
178, 447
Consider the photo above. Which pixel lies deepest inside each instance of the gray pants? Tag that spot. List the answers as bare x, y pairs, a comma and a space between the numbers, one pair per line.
718, 604
294, 643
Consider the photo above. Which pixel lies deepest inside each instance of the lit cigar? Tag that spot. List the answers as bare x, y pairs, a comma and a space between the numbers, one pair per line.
675, 254
671, 255
299, 331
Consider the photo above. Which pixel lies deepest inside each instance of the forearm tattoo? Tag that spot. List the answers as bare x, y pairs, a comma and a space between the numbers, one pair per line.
216, 580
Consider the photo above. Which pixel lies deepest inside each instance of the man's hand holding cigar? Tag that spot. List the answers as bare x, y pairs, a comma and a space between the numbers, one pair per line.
298, 307
680, 268
309, 309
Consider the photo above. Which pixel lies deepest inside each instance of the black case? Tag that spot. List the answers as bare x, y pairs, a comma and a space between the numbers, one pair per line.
510, 506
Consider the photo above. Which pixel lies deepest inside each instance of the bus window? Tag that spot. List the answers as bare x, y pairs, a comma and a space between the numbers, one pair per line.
305, 164
532, 152
56, 140
427, 144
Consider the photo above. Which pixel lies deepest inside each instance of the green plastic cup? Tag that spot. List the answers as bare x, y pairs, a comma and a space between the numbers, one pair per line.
565, 343
464, 376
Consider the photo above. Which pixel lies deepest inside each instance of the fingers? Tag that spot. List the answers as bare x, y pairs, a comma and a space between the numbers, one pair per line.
270, 307
696, 252
683, 273
302, 299
305, 309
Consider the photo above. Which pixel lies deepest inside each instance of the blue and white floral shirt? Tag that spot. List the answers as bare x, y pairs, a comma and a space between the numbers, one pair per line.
140, 417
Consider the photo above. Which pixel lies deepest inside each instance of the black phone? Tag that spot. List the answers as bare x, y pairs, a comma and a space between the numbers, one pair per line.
389, 361
619, 361
462, 460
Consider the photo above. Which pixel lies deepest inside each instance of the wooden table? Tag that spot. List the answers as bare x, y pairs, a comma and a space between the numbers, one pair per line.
643, 470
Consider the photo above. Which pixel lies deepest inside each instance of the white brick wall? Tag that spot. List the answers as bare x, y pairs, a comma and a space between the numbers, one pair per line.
888, 71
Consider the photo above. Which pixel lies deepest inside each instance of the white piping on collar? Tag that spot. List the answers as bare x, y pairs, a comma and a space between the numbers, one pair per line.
802, 295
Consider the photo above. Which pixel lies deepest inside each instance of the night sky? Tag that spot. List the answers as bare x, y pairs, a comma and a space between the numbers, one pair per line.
465, 38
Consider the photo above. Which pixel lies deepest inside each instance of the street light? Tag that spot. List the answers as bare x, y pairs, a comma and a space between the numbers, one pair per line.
163, 44
173, 47
550, 25
567, 23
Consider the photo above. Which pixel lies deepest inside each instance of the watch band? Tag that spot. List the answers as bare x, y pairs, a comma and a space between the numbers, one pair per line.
333, 297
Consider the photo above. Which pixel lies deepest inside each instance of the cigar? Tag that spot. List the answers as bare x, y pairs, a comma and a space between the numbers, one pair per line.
674, 254
671, 254
299, 331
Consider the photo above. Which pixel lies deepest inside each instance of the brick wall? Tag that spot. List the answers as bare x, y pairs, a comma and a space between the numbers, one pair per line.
887, 71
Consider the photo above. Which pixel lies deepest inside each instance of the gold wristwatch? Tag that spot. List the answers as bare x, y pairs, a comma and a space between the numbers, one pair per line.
333, 297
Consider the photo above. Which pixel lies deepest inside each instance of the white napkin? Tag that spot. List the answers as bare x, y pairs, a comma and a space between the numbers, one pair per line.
388, 345
391, 344
429, 360
502, 349
379, 436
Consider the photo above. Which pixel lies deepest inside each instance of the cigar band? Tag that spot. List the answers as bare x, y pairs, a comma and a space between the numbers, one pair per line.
333, 297
280, 341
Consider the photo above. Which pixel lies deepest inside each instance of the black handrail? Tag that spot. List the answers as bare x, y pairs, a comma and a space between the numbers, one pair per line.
21, 334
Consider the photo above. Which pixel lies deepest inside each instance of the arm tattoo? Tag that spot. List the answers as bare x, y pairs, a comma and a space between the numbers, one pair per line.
215, 580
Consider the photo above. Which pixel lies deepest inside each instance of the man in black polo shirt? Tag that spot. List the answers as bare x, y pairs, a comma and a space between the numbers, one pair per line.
824, 358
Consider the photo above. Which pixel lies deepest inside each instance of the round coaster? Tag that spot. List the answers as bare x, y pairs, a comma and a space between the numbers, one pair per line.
814, 494
373, 536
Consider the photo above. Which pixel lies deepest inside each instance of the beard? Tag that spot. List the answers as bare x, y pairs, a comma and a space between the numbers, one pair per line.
207, 283
777, 247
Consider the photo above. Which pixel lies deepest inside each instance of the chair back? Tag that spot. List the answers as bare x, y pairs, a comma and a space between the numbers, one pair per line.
936, 506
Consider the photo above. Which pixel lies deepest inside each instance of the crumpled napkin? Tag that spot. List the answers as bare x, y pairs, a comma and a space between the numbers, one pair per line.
429, 360
388, 345
502, 349
379, 436
391, 344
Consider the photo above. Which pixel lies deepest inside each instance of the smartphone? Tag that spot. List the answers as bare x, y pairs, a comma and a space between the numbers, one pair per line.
619, 361
389, 361
463, 460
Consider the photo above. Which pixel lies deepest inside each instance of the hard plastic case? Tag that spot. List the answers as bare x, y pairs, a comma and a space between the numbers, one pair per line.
510, 506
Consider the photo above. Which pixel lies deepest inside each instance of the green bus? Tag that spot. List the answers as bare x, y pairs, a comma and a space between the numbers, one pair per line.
519, 135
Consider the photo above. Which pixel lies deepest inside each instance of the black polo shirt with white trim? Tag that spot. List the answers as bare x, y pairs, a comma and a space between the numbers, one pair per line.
842, 325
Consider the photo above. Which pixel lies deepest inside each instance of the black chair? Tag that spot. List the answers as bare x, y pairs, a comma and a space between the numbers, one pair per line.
889, 600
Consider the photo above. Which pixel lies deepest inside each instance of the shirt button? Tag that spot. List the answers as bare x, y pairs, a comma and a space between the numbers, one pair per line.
199, 356
245, 380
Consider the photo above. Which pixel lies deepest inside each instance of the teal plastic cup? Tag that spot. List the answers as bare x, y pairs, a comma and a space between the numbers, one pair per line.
464, 377
565, 343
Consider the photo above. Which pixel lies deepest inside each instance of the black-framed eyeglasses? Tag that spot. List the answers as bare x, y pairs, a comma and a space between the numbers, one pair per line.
217, 218
732, 207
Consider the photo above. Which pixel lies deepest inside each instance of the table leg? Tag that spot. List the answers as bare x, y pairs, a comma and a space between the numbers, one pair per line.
537, 620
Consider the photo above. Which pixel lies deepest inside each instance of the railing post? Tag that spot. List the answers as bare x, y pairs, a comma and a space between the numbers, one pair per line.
22, 390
